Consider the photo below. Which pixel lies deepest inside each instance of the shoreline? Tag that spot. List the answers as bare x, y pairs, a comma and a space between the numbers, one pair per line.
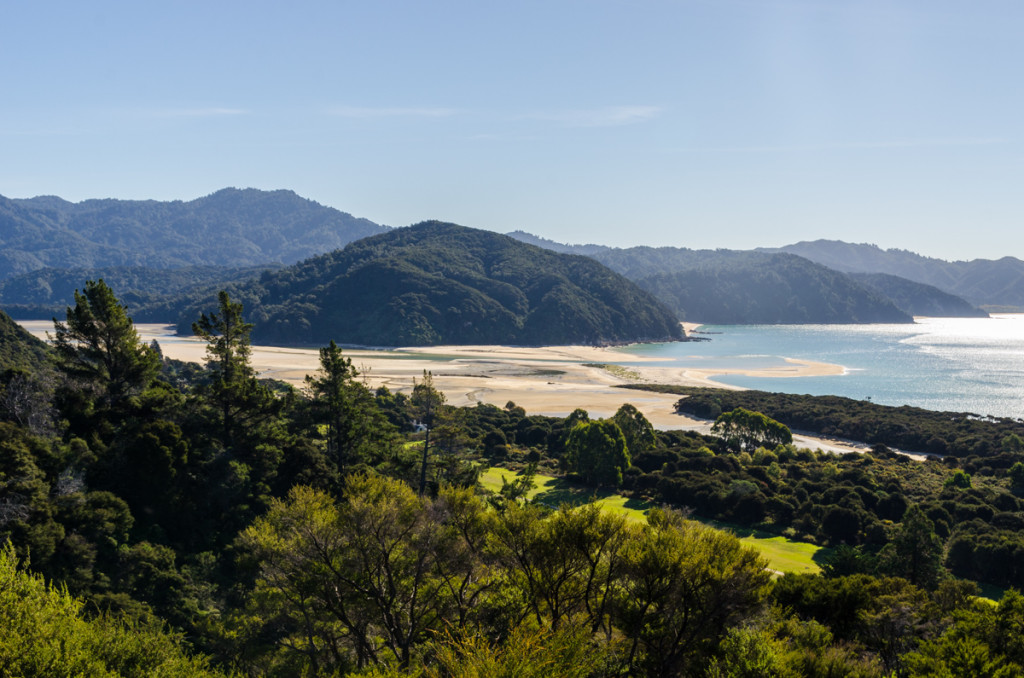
552, 380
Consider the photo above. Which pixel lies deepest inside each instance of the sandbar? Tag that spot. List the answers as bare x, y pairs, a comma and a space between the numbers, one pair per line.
550, 380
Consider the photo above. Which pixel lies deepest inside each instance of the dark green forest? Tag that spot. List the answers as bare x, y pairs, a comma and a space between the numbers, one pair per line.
147, 292
18, 348
437, 283
972, 437
170, 519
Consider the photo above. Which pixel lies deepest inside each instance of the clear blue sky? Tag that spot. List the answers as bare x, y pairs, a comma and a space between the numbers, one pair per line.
717, 123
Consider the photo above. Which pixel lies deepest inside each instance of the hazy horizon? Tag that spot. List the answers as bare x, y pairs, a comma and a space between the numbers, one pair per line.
690, 124
560, 242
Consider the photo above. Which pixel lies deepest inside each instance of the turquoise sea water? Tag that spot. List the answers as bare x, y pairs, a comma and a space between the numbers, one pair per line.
950, 364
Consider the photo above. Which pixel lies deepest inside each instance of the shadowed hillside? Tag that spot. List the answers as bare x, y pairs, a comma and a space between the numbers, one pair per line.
438, 283
984, 282
752, 288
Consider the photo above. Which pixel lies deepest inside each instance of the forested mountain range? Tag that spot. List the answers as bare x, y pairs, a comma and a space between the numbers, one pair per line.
45, 293
752, 288
917, 298
547, 244
155, 252
982, 282
639, 263
231, 227
739, 286
438, 283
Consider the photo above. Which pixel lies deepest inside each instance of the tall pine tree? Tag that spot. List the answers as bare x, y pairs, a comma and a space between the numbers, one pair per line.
242, 402
98, 346
355, 426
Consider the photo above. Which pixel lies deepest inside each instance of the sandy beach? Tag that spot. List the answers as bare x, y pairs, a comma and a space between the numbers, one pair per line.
551, 380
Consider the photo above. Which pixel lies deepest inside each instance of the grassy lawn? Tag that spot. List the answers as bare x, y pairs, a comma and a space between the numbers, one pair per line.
554, 492
785, 555
782, 554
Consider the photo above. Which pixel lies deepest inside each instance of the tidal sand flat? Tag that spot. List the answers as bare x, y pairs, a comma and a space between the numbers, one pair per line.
552, 380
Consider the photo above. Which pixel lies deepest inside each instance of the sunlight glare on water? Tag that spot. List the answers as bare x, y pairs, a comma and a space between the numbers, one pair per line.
950, 364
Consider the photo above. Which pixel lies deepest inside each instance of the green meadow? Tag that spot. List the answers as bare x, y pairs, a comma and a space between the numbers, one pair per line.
783, 555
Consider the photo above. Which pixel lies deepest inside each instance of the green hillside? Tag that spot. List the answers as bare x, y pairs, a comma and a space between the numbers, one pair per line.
45, 293
917, 298
438, 283
913, 285
755, 288
984, 282
18, 348
231, 227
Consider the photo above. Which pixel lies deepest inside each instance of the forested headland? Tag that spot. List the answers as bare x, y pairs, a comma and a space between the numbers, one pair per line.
177, 519
764, 289
438, 283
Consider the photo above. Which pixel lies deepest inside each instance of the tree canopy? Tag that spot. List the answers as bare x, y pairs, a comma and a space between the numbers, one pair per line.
98, 345
597, 451
748, 430
301, 538
438, 283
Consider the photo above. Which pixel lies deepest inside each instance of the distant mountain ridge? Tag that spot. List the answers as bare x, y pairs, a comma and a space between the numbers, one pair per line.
767, 289
917, 298
232, 227
715, 285
439, 283
529, 238
46, 292
158, 253
982, 282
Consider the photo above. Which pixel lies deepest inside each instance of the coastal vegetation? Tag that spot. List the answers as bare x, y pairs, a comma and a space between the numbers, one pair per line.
979, 441
188, 520
18, 348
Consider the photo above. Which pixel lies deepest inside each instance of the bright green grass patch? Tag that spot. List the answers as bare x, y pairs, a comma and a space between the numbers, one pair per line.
555, 492
783, 555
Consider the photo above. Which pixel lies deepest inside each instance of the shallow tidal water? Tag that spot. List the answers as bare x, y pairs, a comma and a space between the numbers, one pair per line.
949, 364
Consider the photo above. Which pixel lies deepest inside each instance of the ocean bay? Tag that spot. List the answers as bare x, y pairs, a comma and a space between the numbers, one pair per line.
948, 364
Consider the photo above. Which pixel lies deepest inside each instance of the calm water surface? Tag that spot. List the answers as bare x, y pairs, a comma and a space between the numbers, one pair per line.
953, 364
